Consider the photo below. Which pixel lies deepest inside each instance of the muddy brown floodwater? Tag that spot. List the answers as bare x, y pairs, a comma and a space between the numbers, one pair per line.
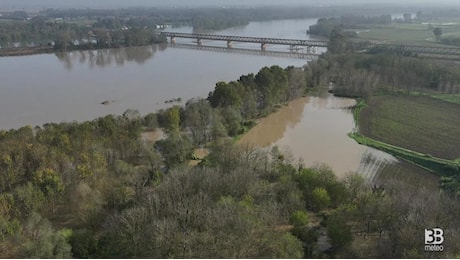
315, 129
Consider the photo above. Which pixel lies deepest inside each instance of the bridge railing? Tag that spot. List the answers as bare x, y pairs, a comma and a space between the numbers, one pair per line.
300, 55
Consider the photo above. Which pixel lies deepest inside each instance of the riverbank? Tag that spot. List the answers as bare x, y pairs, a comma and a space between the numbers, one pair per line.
6, 52
441, 167
24, 51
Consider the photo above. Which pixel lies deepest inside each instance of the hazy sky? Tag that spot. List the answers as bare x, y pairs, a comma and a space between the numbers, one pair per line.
41, 4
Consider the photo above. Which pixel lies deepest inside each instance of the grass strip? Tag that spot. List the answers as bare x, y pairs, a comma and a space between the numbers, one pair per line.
438, 166
452, 98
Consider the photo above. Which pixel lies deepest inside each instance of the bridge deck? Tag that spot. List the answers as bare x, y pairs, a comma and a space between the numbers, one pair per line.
312, 43
229, 38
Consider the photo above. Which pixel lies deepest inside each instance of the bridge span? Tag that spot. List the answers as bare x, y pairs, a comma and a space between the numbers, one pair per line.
292, 54
312, 44
230, 39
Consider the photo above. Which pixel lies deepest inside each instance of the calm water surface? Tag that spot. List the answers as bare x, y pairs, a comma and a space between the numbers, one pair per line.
70, 86
315, 129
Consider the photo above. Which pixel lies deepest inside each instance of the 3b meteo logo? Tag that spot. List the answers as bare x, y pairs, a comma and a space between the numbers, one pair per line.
433, 240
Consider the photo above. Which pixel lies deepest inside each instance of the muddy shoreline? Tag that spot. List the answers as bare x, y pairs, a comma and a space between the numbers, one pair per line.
6, 52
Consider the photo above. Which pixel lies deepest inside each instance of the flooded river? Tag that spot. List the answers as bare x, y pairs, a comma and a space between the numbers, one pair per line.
71, 86
83, 85
315, 129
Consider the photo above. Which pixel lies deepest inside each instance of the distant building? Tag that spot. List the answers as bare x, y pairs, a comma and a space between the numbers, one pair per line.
161, 26
407, 17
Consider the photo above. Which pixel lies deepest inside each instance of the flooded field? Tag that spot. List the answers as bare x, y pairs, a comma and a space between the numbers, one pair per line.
315, 129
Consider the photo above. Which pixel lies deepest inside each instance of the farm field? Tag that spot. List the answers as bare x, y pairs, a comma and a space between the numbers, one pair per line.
410, 33
419, 123
408, 175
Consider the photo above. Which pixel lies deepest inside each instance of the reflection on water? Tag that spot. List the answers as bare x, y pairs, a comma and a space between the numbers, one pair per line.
70, 86
46, 88
286, 53
139, 55
316, 129
372, 161
108, 57
273, 127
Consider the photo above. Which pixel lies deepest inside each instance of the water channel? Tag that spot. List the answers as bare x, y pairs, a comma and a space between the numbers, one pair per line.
71, 86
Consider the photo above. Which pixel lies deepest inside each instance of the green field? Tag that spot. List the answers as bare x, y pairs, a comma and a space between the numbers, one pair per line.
420, 123
453, 98
410, 33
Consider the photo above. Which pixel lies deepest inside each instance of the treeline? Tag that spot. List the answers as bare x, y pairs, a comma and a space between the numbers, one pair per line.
55, 24
218, 22
361, 75
324, 26
101, 38
430, 15
36, 31
451, 40
173, 15
16, 15
67, 36
257, 95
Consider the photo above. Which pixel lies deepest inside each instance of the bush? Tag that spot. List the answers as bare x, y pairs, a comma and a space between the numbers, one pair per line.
299, 218
320, 199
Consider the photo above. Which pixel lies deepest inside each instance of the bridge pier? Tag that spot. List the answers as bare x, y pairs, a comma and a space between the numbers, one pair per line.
296, 44
263, 46
172, 39
198, 41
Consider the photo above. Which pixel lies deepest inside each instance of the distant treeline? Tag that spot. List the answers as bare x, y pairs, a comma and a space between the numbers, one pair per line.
67, 36
362, 75
324, 26
54, 24
451, 40
431, 15
36, 31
